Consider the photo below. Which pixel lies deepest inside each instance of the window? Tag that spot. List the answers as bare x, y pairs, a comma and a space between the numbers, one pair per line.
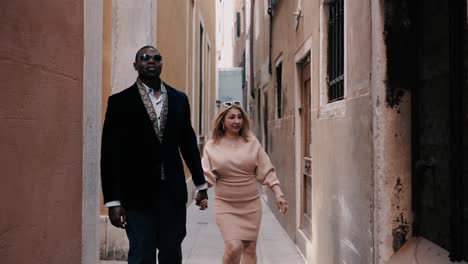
238, 24
200, 77
279, 78
336, 51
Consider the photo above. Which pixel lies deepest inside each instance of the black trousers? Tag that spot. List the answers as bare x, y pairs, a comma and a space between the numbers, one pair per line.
151, 229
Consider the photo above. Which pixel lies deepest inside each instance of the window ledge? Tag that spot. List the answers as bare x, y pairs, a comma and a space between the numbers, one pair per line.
334, 109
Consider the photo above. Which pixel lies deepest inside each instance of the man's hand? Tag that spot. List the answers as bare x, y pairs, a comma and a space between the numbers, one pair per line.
118, 216
202, 199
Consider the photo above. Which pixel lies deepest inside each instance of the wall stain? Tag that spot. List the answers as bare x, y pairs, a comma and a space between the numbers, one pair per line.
400, 225
400, 233
398, 186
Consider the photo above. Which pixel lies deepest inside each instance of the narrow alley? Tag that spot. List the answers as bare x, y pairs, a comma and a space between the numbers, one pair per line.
360, 108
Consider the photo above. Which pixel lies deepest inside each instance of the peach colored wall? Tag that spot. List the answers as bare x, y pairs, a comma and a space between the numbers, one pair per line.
106, 68
41, 131
179, 43
172, 41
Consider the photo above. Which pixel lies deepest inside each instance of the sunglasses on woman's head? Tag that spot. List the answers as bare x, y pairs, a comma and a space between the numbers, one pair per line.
146, 57
231, 103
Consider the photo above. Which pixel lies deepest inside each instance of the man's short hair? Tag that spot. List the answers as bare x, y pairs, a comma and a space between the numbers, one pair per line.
142, 48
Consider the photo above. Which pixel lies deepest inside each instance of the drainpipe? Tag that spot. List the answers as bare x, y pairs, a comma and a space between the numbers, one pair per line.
251, 47
270, 13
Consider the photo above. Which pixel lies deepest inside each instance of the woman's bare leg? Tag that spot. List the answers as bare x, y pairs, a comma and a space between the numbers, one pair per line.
232, 251
249, 255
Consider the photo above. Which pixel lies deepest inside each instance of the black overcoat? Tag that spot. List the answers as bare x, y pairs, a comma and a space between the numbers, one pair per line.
132, 155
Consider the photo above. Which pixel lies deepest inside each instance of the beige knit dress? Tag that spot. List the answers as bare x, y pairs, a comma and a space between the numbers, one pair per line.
234, 170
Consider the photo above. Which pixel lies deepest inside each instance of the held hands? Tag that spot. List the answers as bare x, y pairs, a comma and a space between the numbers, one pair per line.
118, 216
201, 199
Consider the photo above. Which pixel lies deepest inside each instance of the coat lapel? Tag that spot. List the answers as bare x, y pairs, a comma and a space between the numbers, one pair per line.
149, 109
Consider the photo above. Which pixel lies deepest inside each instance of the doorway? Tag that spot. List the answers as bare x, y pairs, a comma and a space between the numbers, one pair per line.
440, 126
306, 140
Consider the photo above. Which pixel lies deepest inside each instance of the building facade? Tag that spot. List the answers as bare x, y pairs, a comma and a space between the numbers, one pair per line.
49, 131
361, 105
188, 47
60, 62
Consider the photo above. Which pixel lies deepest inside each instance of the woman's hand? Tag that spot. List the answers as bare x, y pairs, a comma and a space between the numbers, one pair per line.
282, 204
280, 200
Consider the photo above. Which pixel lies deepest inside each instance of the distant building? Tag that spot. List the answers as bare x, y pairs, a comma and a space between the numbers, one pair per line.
230, 84
231, 36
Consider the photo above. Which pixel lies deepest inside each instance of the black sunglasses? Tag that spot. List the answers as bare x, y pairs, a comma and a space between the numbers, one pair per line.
146, 57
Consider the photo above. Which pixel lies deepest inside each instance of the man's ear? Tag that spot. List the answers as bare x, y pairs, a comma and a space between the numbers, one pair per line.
134, 66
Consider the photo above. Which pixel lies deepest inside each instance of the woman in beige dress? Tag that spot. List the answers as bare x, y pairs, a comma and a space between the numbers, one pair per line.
234, 162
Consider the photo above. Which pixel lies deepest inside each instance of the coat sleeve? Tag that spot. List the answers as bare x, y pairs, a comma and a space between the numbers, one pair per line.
265, 171
189, 146
210, 177
111, 153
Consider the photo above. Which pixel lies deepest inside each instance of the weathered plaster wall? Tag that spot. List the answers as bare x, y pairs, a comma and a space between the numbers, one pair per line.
133, 26
281, 135
392, 138
41, 131
342, 147
92, 100
106, 54
282, 153
342, 193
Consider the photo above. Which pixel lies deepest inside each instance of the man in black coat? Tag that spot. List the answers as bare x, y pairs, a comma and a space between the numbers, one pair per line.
146, 127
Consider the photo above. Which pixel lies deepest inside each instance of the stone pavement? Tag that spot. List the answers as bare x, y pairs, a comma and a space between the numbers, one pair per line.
204, 245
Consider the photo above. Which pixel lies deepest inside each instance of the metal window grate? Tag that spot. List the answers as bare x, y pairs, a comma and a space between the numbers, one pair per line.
336, 51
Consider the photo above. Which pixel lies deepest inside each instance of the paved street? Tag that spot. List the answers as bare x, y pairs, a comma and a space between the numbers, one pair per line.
204, 245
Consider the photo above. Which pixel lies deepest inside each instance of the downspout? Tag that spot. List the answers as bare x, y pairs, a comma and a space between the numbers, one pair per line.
251, 47
270, 44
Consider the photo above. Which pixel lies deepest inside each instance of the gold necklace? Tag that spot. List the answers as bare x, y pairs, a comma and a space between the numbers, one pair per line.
233, 144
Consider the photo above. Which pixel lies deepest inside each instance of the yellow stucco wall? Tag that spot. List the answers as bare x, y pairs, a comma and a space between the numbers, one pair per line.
106, 65
172, 41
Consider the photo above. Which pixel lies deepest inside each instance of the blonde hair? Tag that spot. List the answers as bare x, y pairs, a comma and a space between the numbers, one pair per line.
218, 130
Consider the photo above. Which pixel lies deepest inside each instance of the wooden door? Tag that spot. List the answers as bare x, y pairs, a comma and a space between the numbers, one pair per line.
306, 140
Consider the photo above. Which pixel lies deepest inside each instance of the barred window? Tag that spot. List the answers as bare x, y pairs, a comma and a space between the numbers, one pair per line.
336, 51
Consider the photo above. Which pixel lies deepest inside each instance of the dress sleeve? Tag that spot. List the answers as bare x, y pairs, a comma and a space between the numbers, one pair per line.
265, 171
206, 163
